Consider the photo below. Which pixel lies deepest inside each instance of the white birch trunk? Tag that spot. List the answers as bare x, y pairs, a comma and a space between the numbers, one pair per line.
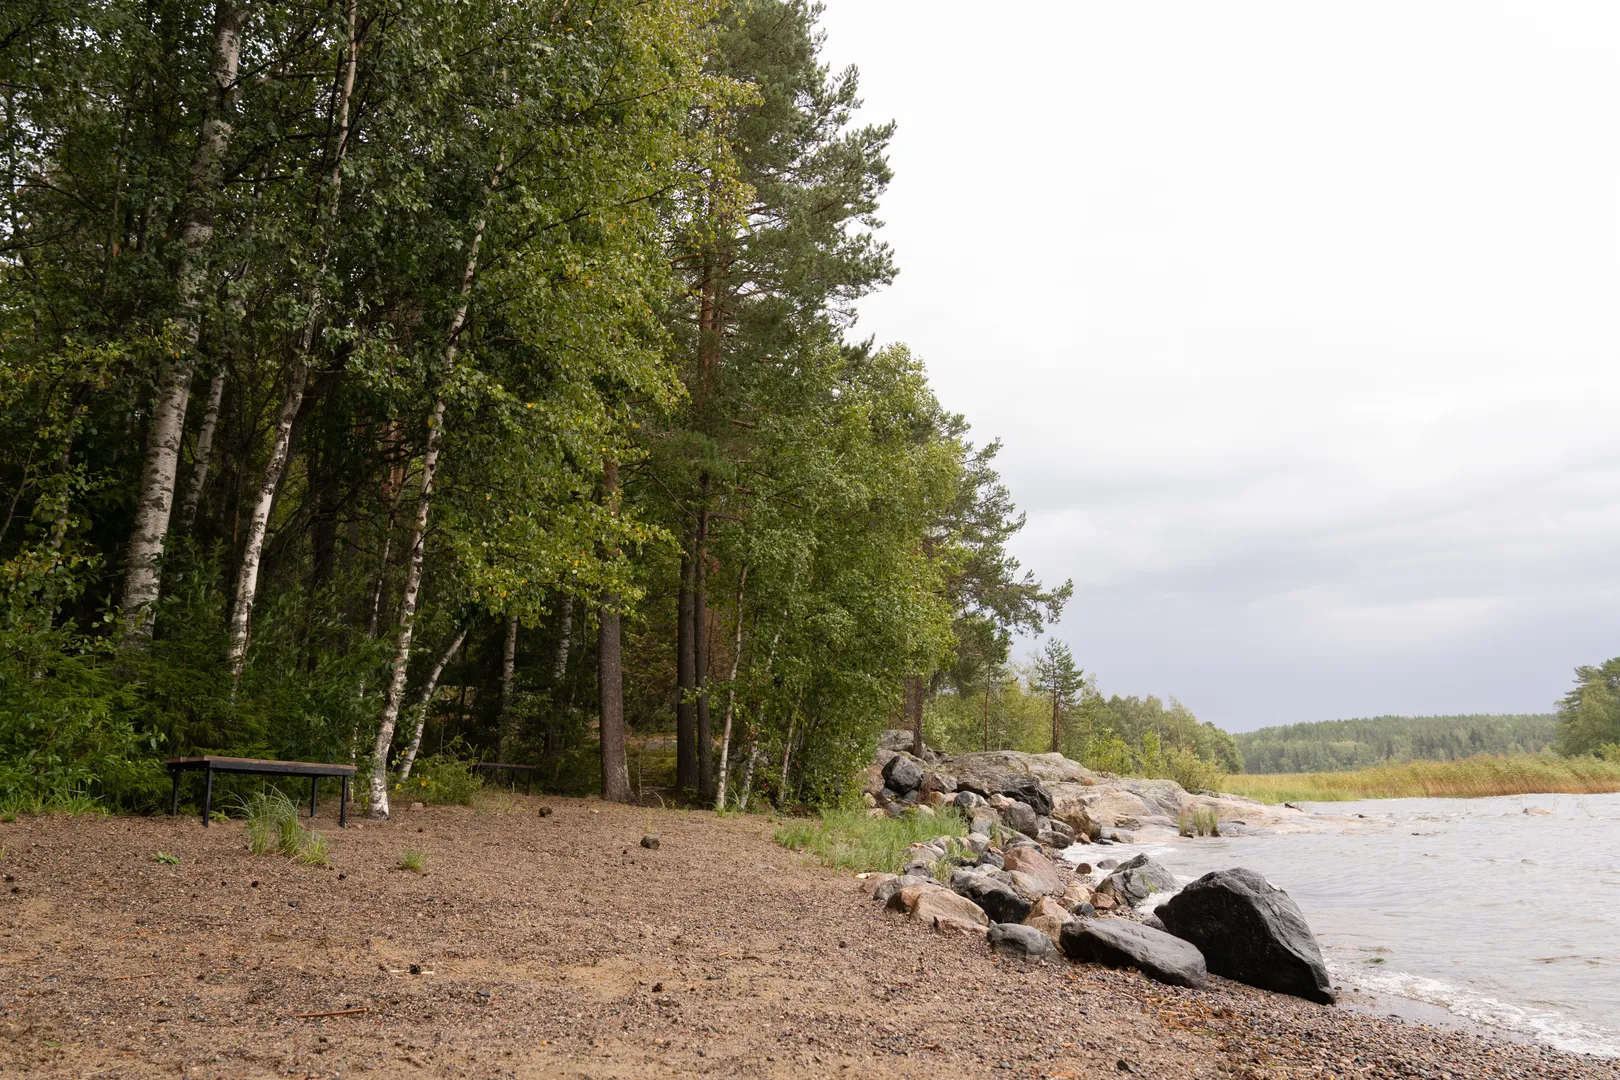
292, 399
395, 693
408, 759
204, 458
731, 699
508, 671
565, 635
155, 499
748, 770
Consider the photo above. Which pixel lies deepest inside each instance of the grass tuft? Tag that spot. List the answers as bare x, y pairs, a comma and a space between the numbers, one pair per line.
272, 821
851, 840
414, 859
1471, 778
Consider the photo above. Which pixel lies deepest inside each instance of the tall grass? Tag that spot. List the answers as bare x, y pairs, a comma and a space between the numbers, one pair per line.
850, 840
272, 821
1471, 778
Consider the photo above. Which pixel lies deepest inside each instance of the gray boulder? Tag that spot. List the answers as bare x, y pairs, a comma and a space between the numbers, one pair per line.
968, 802
903, 773
1024, 942
999, 901
1019, 816
1250, 931
1123, 943
1136, 880
1029, 791
885, 892
935, 781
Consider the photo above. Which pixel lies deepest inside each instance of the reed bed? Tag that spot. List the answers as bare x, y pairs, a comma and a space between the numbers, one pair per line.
1471, 778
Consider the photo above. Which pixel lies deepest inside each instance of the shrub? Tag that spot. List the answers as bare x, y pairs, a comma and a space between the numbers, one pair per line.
441, 779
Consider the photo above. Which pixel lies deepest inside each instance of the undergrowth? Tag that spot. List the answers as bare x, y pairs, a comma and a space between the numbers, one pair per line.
853, 840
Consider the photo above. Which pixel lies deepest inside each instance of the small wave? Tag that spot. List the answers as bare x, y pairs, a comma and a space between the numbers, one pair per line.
1554, 1029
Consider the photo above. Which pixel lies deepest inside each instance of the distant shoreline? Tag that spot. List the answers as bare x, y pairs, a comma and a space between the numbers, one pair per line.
1477, 777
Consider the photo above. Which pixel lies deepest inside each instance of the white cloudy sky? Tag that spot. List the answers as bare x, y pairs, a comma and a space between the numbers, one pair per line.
1299, 321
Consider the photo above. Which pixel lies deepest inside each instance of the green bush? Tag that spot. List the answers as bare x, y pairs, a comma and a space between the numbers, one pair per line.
441, 779
64, 742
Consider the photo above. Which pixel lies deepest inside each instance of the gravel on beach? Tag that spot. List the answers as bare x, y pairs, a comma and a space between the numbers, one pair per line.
559, 946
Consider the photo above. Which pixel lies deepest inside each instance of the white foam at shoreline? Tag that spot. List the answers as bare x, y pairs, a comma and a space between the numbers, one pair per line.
1554, 1029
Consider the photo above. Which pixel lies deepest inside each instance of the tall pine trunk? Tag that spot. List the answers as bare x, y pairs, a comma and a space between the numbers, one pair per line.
700, 650
1057, 721
408, 758
914, 712
686, 763
610, 671
292, 397
155, 498
395, 693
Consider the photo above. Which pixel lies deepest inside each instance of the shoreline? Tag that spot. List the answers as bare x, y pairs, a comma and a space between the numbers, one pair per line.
558, 946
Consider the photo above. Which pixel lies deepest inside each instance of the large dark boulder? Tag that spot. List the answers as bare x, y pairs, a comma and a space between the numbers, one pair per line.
1123, 943
1029, 791
903, 773
1136, 880
1024, 942
999, 901
1251, 931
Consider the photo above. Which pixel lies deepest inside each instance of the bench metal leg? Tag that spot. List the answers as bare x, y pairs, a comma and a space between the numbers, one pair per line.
174, 796
314, 783
208, 794
343, 806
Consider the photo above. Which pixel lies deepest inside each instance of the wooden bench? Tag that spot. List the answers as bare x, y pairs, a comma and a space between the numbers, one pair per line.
497, 766
211, 764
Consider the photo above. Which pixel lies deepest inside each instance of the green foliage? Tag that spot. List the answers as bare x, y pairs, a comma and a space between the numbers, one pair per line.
1124, 736
66, 739
166, 858
852, 839
1338, 745
1589, 715
414, 860
441, 779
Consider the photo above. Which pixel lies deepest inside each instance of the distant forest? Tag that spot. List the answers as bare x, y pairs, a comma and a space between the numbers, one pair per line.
1336, 745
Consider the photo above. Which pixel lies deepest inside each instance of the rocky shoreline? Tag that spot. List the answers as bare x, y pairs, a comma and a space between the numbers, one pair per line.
1008, 879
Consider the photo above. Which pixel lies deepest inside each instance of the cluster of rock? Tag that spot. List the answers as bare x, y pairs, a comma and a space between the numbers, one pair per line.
1007, 882
1065, 798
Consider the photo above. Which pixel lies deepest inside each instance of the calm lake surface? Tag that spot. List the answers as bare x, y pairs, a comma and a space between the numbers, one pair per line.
1499, 917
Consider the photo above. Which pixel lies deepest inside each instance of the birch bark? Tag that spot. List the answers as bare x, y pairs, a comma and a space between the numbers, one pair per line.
731, 697
204, 458
395, 693
155, 498
292, 398
408, 759
508, 671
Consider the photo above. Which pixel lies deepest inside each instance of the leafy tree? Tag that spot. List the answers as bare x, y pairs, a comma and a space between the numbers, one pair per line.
1589, 715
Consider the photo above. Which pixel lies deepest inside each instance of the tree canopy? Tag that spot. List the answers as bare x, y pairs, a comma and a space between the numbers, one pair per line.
399, 382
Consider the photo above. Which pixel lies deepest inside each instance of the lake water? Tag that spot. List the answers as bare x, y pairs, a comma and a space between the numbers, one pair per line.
1499, 917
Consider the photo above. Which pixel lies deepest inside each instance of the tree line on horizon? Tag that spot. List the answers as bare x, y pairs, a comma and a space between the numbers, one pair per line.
1348, 745
413, 381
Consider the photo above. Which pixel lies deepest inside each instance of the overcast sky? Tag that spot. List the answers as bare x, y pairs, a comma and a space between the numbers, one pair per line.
1299, 321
